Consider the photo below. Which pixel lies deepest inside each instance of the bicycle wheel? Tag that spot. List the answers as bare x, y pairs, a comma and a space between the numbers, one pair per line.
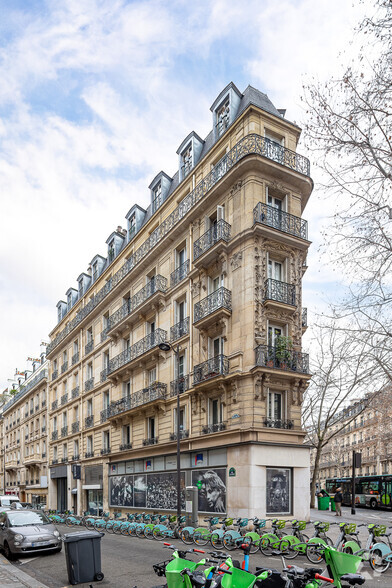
216, 541
69, 521
265, 546
158, 534
253, 540
314, 552
287, 547
140, 531
124, 529
201, 537
110, 527
377, 562
229, 543
186, 537
148, 532
100, 525
117, 528
89, 523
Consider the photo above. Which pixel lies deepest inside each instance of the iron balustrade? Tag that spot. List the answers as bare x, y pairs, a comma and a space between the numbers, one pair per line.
89, 421
64, 431
183, 435
221, 231
179, 274
36, 408
43, 455
89, 384
64, 367
155, 391
31, 411
55, 375
104, 374
105, 450
55, 461
146, 344
43, 430
55, 404
179, 386
180, 329
304, 317
156, 284
64, 459
125, 446
279, 423
75, 457
150, 441
89, 454
104, 334
75, 358
64, 399
43, 404
280, 220
216, 366
221, 298
75, 427
213, 428
279, 291
55, 435
295, 361
105, 413
249, 145
89, 347
75, 392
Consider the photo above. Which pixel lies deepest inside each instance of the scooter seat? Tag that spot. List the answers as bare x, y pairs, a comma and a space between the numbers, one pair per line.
353, 579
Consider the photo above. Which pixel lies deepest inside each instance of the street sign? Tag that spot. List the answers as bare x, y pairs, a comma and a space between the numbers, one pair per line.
232, 473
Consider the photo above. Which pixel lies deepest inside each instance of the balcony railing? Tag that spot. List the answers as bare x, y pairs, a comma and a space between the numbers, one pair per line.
248, 145
64, 399
179, 329
64, 460
55, 461
75, 358
55, 435
105, 450
156, 284
55, 404
75, 427
105, 414
287, 360
150, 441
304, 317
279, 291
89, 347
213, 428
104, 334
146, 344
89, 454
43, 403
221, 298
279, 423
26, 388
125, 446
64, 367
64, 431
179, 274
104, 374
76, 457
75, 392
219, 232
183, 435
280, 220
216, 366
89, 384
55, 375
179, 386
155, 391
89, 421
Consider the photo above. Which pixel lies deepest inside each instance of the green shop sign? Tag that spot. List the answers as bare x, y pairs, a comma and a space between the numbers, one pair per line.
232, 473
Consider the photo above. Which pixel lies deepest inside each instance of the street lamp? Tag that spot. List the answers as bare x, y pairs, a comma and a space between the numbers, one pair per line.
176, 351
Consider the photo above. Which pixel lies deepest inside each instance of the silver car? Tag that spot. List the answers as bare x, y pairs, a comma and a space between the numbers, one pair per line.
27, 531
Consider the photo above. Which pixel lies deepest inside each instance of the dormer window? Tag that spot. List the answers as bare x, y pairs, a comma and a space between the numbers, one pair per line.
59, 313
111, 252
80, 287
223, 118
187, 161
69, 301
95, 270
132, 226
157, 197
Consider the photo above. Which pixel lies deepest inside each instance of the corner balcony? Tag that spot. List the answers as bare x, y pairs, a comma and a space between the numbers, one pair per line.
151, 294
288, 360
212, 308
279, 423
154, 393
145, 347
212, 368
179, 274
278, 220
179, 330
280, 292
211, 243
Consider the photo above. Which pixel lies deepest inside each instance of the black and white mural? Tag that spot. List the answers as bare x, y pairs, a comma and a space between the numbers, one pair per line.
212, 493
278, 491
155, 490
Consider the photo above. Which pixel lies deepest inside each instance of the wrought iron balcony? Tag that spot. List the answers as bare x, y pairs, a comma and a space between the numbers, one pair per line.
179, 329
75, 457
31, 411
104, 374
55, 461
156, 391
89, 421
216, 366
105, 414
125, 446
43, 455
104, 334
55, 375
179, 386
64, 460
55, 404
89, 384
75, 427
64, 398
146, 344
43, 403
89, 454
75, 392
248, 145
75, 358
213, 428
150, 441
280, 220
36, 408
64, 431
304, 317
279, 291
55, 435
43, 430
220, 299
64, 367
105, 450
183, 435
179, 274
89, 347
219, 232
287, 360
279, 423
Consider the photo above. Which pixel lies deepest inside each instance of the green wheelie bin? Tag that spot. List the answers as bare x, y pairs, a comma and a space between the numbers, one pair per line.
323, 502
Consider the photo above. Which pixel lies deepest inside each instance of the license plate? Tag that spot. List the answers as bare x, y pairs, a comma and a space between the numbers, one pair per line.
38, 543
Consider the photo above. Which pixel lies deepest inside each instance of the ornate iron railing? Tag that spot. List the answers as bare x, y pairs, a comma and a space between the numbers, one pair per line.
150, 441
55, 435
179, 386
55, 461
64, 367
55, 404
104, 374
43, 403
75, 358
75, 457
221, 298
279, 423
179, 274
89, 421
125, 446
64, 460
75, 392
288, 360
89, 454
105, 414
89, 384
104, 334
216, 366
304, 317
64, 399
75, 427
219, 232
36, 408
146, 344
179, 329
43, 429
251, 144
280, 220
105, 450
55, 375
279, 291
213, 428
183, 435
155, 391
89, 347
64, 431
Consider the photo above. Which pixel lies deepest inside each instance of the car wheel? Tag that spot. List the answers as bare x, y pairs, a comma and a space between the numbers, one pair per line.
7, 552
99, 576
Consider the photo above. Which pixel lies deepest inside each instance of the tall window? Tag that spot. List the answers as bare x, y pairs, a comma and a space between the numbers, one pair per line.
111, 251
90, 445
89, 407
276, 405
76, 448
132, 226
106, 440
180, 257
182, 419
187, 160
275, 270
215, 411
106, 399
55, 452
95, 270
223, 117
152, 376
157, 197
151, 427
273, 333
126, 435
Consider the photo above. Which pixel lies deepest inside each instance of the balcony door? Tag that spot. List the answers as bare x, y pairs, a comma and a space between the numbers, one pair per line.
215, 411
214, 284
216, 347
276, 406
275, 270
273, 333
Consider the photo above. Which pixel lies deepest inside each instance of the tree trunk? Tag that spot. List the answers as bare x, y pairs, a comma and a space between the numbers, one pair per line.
314, 477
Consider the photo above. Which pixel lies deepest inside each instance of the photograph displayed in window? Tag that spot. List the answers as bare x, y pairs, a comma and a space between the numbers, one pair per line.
121, 490
212, 494
155, 490
162, 490
278, 491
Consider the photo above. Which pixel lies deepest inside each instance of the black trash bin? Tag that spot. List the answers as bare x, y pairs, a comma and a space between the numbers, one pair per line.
83, 555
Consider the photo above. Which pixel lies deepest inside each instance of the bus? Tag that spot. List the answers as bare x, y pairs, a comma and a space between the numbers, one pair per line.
371, 491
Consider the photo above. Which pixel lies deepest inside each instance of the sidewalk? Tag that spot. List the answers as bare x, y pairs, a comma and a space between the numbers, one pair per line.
12, 576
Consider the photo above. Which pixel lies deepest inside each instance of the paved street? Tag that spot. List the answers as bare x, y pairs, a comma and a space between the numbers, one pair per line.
127, 561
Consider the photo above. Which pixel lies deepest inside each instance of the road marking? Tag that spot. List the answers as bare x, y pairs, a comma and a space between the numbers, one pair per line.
23, 561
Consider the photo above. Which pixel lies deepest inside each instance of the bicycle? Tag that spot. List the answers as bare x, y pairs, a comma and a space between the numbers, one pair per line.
320, 537
341, 566
234, 538
270, 541
253, 537
217, 535
381, 554
344, 540
293, 545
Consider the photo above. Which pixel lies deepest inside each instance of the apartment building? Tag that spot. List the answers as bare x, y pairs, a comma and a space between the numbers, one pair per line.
214, 265
24, 425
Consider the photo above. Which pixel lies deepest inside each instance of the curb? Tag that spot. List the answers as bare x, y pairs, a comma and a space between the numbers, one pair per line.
17, 576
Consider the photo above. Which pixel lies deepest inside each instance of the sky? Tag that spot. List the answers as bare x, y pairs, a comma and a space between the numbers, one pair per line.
95, 98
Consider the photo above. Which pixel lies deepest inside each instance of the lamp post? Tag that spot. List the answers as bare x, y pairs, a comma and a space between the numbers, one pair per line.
176, 351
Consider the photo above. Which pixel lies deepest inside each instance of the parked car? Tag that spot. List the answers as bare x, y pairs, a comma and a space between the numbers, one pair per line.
20, 505
27, 531
8, 499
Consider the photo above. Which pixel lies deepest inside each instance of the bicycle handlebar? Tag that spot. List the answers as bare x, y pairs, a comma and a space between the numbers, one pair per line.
318, 577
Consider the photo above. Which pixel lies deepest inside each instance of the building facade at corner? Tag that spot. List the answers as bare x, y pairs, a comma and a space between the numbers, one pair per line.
214, 265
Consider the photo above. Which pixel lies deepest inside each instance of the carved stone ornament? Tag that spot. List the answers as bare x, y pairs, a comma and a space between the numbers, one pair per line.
234, 391
236, 260
235, 187
224, 397
261, 387
195, 289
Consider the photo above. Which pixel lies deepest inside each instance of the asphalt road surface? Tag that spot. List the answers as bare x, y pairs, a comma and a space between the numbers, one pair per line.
127, 561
